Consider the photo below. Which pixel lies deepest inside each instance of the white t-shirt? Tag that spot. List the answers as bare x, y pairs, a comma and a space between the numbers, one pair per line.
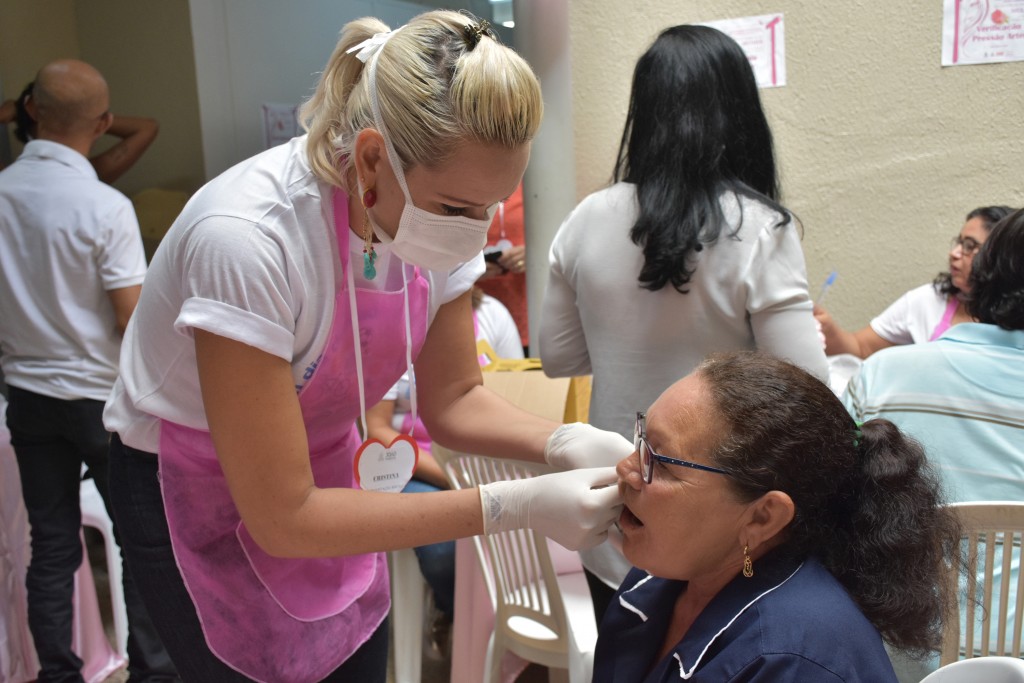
748, 291
495, 325
254, 258
498, 327
66, 239
912, 318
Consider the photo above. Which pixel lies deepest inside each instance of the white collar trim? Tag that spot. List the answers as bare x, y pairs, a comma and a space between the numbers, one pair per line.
683, 673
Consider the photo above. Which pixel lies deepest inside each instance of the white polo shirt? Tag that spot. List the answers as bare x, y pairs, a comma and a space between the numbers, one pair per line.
65, 240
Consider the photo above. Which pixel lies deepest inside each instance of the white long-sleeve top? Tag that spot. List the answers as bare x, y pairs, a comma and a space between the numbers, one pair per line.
749, 291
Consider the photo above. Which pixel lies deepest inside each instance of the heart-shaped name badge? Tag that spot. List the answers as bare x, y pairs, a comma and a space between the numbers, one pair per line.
386, 468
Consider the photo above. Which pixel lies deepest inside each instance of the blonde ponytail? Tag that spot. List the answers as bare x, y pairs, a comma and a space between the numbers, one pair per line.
436, 89
323, 115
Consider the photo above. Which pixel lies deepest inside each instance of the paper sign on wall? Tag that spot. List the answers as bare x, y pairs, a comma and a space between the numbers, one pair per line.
982, 31
280, 123
763, 38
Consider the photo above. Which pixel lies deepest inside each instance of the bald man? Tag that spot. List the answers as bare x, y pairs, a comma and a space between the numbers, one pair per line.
71, 268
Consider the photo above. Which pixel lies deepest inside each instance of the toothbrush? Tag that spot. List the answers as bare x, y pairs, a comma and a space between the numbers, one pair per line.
829, 281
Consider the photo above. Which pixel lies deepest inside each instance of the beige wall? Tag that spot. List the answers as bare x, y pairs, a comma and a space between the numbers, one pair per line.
32, 33
143, 47
881, 150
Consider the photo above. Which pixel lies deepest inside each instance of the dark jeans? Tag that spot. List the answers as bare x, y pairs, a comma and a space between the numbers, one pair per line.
138, 504
51, 439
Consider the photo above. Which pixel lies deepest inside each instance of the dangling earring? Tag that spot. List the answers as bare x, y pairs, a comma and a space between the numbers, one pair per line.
369, 255
748, 565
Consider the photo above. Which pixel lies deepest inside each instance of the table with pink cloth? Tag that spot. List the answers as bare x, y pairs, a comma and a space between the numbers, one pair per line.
18, 661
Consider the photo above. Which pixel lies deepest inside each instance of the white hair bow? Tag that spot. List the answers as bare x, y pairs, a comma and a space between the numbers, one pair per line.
372, 45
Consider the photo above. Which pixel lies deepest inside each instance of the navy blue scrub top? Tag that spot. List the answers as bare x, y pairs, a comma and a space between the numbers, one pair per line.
791, 621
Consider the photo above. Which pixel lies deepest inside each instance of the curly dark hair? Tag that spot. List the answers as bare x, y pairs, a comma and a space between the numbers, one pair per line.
24, 124
989, 215
868, 504
997, 276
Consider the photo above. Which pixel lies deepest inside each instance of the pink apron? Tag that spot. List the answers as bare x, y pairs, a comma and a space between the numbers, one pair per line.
283, 619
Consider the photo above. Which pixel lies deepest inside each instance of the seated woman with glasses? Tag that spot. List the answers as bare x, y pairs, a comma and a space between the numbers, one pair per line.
925, 312
774, 539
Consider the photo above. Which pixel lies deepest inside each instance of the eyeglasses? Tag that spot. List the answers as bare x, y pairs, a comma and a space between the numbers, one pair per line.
968, 245
647, 454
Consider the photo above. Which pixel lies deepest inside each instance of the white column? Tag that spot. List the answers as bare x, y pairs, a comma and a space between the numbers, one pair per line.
549, 186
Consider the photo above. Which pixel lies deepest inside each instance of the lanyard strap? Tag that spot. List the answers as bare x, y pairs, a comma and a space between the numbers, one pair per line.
410, 371
354, 309
359, 348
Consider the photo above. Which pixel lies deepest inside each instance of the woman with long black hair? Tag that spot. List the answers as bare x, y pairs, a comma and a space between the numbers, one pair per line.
688, 252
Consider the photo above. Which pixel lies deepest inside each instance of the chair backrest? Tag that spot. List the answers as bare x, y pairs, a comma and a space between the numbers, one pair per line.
990, 591
517, 565
982, 669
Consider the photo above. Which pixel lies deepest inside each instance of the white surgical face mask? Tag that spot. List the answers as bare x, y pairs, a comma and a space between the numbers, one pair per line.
428, 240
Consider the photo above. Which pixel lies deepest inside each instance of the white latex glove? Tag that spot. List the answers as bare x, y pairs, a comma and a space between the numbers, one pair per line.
578, 445
563, 506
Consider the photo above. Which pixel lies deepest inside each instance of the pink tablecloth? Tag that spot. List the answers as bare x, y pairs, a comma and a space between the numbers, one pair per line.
18, 661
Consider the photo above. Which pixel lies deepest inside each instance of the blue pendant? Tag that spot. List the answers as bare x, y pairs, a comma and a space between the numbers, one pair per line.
369, 270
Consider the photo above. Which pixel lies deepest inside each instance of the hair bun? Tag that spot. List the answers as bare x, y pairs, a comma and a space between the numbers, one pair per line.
475, 31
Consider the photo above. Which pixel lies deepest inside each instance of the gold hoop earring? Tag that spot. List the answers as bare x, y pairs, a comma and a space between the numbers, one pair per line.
748, 565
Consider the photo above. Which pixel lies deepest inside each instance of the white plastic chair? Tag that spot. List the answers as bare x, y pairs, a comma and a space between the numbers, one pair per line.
993, 543
408, 593
979, 670
94, 514
539, 615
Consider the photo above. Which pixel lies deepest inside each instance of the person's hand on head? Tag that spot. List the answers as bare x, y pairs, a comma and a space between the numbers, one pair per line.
574, 508
8, 111
579, 445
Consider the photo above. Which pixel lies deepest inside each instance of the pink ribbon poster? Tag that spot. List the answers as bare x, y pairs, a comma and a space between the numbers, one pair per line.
280, 123
982, 31
763, 38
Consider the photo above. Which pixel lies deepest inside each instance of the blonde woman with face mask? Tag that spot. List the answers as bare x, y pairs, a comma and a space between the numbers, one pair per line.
291, 293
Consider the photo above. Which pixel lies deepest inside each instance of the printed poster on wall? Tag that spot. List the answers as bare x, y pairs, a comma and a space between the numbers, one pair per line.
982, 31
280, 123
763, 38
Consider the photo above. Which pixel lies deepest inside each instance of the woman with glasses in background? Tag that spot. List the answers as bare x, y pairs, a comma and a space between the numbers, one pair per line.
925, 312
773, 538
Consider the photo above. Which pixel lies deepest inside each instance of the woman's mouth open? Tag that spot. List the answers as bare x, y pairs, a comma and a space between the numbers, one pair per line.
628, 521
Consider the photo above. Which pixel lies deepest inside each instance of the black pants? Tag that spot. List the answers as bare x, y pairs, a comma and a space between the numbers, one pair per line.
138, 504
51, 439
